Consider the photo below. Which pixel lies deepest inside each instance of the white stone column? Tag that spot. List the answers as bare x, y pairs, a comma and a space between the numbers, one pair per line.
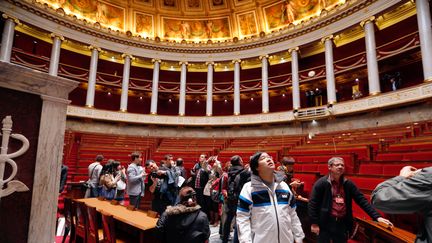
372, 63
155, 86
91, 88
49, 151
55, 54
47, 169
264, 84
295, 78
425, 33
209, 103
237, 86
125, 82
330, 76
7, 38
182, 99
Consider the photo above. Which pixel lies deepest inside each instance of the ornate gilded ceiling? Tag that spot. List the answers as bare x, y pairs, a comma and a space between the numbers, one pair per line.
194, 20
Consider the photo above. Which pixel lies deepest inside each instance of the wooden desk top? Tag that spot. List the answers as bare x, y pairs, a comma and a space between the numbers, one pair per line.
138, 219
393, 234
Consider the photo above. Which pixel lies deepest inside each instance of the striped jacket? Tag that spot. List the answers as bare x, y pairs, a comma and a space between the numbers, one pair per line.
267, 215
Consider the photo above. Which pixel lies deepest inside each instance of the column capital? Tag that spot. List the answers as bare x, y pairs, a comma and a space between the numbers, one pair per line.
5, 16
183, 62
54, 35
91, 48
293, 49
324, 39
210, 63
124, 55
264, 56
370, 19
236, 61
156, 60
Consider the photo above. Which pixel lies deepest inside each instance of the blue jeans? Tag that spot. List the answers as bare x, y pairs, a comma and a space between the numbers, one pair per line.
94, 192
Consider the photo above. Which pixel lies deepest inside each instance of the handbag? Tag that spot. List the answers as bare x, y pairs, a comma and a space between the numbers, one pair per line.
121, 185
215, 196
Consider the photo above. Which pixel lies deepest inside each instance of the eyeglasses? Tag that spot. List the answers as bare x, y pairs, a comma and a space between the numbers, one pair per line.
265, 157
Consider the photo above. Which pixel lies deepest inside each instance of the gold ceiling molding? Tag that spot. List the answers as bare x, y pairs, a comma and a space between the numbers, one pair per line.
158, 44
351, 34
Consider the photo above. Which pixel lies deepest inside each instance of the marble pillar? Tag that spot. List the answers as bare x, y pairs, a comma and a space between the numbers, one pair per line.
155, 86
295, 78
209, 102
237, 87
372, 63
91, 88
125, 82
7, 38
330, 76
425, 33
182, 99
55, 54
264, 83
48, 155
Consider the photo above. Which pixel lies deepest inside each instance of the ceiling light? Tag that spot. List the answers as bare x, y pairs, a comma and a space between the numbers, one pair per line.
140, 97
225, 101
252, 98
109, 93
415, 123
169, 100
283, 95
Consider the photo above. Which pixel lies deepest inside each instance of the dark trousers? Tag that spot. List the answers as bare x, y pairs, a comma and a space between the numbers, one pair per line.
95, 191
335, 230
230, 214
200, 196
135, 200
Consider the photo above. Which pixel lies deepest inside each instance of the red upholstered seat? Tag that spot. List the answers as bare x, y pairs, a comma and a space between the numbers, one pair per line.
371, 169
366, 183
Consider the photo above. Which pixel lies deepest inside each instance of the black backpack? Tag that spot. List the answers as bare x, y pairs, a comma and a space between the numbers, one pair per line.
232, 193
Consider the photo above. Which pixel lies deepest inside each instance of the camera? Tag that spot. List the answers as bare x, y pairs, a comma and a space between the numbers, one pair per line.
153, 174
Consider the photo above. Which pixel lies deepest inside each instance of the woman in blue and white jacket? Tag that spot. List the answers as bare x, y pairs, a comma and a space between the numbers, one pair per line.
266, 207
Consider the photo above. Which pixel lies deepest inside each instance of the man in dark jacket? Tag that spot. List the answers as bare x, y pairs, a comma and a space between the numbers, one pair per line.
410, 192
230, 203
330, 206
184, 222
200, 173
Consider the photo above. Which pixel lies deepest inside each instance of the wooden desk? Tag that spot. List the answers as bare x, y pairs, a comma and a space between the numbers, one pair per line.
379, 232
136, 219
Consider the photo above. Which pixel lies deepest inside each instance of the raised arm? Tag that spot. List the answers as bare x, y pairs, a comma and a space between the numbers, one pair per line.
404, 195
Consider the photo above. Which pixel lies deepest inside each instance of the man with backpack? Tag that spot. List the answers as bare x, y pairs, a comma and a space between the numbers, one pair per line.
94, 170
230, 204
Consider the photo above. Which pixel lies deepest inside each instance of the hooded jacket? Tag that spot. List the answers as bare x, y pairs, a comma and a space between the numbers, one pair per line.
267, 214
183, 224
